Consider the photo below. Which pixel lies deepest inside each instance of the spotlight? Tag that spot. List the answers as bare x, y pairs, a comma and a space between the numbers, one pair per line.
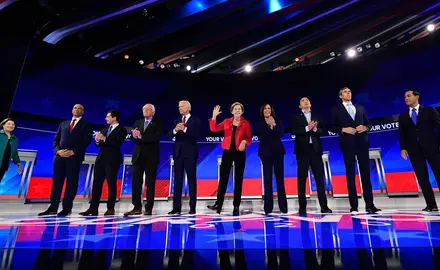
141, 62
377, 45
162, 66
351, 53
188, 68
430, 27
359, 49
297, 59
176, 65
368, 46
248, 68
332, 54
126, 56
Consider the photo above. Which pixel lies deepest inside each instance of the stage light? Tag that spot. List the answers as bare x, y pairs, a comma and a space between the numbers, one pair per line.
297, 59
248, 68
188, 68
332, 54
377, 45
430, 27
368, 46
141, 62
359, 49
162, 66
126, 56
351, 53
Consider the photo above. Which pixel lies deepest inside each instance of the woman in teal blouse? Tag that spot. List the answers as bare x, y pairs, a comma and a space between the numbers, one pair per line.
8, 147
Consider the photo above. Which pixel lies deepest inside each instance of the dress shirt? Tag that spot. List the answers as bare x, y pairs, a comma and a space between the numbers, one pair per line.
417, 110
186, 121
308, 116
76, 121
352, 106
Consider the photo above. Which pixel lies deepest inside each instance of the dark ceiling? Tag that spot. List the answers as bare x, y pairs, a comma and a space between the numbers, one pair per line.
221, 36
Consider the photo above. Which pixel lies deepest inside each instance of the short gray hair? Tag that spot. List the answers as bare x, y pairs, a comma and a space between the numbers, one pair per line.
187, 102
152, 107
342, 89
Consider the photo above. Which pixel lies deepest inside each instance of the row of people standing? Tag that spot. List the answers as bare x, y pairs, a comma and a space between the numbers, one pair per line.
348, 120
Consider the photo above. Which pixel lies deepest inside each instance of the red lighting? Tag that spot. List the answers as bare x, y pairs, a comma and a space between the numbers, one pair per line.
297, 59
126, 56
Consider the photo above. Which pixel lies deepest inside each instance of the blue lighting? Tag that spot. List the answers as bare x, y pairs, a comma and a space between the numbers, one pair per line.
274, 5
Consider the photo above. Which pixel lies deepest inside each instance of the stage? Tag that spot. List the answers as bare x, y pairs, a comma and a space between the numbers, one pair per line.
401, 236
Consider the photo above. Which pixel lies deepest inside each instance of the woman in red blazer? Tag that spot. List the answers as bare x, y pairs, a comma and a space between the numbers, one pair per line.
237, 136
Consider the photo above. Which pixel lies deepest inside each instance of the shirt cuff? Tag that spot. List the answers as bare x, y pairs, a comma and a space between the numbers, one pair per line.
184, 130
307, 129
174, 131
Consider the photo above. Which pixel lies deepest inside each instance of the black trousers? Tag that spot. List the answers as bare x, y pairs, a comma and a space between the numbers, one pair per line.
271, 165
418, 160
149, 167
182, 165
305, 161
239, 159
364, 170
100, 173
3, 170
64, 168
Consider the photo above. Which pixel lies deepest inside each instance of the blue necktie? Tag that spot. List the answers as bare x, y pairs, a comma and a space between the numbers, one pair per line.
146, 124
414, 116
351, 111
109, 130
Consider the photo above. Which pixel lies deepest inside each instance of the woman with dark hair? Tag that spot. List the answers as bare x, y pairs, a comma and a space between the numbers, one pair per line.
8, 146
237, 136
270, 130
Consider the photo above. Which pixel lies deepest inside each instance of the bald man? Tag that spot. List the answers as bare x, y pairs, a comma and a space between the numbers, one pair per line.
69, 145
146, 134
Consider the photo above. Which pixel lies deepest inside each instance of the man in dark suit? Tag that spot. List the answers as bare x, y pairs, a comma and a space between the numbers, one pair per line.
186, 153
350, 121
146, 134
420, 141
70, 143
107, 163
307, 128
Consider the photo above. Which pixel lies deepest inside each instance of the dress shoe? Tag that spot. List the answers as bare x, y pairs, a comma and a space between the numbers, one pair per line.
109, 212
64, 213
354, 210
133, 212
213, 207
373, 209
89, 212
302, 211
236, 211
174, 212
148, 213
430, 209
326, 210
192, 211
48, 212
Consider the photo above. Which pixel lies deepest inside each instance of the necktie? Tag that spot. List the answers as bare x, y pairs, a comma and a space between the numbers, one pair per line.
146, 124
109, 130
72, 124
414, 116
184, 120
351, 111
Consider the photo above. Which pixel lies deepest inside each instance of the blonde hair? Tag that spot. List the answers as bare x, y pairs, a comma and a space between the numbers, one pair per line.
235, 104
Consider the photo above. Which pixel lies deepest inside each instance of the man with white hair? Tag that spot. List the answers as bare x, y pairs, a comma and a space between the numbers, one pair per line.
186, 153
146, 134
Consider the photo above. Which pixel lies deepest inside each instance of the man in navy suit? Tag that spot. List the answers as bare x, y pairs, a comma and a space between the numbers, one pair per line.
419, 129
107, 164
186, 153
350, 121
69, 145
308, 128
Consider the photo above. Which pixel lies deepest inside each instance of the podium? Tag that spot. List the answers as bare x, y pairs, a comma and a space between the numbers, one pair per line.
29, 157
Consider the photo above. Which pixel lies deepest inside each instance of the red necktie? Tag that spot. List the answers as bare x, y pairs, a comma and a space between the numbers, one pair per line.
184, 120
72, 124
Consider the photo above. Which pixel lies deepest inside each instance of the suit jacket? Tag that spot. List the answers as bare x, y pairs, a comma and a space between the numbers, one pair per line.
150, 143
243, 131
425, 133
110, 149
270, 139
341, 119
185, 144
14, 147
298, 126
77, 141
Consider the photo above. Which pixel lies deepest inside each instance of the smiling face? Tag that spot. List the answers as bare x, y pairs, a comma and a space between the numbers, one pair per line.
237, 111
184, 107
305, 104
9, 126
78, 110
411, 100
267, 111
148, 111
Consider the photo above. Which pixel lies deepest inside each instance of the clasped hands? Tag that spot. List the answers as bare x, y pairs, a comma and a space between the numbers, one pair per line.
352, 131
64, 153
179, 127
313, 126
99, 137
136, 133
271, 122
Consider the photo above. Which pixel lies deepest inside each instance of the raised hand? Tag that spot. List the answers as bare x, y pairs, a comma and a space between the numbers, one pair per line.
216, 112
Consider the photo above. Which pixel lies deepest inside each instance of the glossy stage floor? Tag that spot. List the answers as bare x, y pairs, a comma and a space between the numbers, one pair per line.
399, 237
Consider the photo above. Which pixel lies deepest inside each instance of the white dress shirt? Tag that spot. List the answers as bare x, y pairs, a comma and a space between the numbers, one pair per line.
308, 116
352, 107
76, 121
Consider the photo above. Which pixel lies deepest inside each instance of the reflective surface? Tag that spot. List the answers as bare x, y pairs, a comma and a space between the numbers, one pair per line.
392, 239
